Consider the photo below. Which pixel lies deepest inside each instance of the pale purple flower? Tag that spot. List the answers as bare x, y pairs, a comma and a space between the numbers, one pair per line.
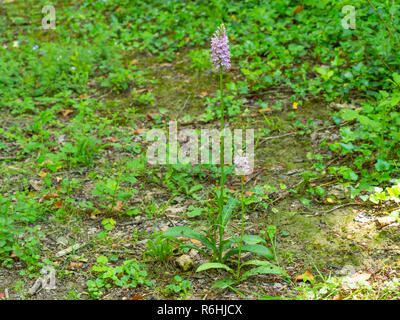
73, 68
220, 54
35, 47
241, 162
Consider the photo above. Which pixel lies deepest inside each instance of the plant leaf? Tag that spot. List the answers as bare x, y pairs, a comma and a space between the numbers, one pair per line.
228, 209
213, 265
266, 269
254, 248
183, 231
223, 284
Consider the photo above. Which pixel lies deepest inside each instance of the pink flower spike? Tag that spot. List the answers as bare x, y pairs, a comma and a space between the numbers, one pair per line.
220, 54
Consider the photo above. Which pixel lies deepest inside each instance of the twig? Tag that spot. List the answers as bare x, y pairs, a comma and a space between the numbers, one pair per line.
338, 207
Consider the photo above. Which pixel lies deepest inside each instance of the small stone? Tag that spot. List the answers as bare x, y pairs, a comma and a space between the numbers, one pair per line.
185, 262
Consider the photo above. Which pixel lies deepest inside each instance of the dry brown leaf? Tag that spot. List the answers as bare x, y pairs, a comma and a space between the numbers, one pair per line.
298, 9
306, 276
357, 277
338, 297
42, 174
58, 204
76, 265
139, 131
384, 221
142, 90
265, 110
66, 112
151, 116
112, 139
50, 195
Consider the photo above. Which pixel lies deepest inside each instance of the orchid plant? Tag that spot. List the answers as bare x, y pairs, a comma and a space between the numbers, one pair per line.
214, 240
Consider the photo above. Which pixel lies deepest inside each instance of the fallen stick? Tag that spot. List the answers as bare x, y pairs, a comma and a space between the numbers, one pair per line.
69, 250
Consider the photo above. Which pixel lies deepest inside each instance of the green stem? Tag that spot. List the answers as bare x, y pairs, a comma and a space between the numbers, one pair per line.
222, 158
241, 231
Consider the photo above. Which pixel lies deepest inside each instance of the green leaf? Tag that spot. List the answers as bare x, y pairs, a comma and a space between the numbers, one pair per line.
382, 165
223, 284
253, 239
253, 248
183, 231
264, 269
213, 265
228, 209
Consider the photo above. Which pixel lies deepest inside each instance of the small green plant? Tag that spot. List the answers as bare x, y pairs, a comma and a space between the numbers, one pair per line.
180, 287
82, 152
128, 275
159, 248
108, 224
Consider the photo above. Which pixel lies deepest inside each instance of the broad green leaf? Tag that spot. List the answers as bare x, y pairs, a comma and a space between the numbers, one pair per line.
183, 231
267, 269
222, 284
213, 265
253, 248
228, 209
253, 239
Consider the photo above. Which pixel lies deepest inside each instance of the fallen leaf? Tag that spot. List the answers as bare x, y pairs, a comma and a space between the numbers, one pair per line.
58, 204
112, 139
76, 265
361, 277
137, 298
264, 110
117, 207
384, 221
141, 90
50, 195
338, 297
139, 131
42, 174
194, 241
306, 276
66, 112
298, 9
151, 116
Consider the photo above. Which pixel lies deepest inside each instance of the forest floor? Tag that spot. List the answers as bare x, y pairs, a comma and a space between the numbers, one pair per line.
78, 196
338, 244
